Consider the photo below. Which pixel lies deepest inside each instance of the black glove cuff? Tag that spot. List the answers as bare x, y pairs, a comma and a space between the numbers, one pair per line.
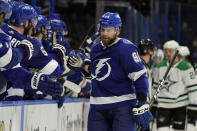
141, 97
87, 74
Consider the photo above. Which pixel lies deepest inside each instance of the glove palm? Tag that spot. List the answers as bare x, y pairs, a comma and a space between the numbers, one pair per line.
76, 61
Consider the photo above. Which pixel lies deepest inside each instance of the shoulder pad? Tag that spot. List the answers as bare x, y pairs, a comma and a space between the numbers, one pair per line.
4, 37
125, 41
184, 65
162, 63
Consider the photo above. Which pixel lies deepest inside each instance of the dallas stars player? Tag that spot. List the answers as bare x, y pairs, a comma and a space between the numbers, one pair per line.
173, 98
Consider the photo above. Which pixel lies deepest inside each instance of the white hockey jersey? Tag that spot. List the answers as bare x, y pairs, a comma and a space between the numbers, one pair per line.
180, 86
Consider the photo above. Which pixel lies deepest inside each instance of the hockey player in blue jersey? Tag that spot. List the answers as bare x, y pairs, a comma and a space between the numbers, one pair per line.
9, 57
23, 21
62, 48
119, 81
19, 80
59, 45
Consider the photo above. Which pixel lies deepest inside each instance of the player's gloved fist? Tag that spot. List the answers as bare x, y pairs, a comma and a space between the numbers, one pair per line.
41, 82
76, 61
60, 50
90, 41
30, 48
142, 115
60, 36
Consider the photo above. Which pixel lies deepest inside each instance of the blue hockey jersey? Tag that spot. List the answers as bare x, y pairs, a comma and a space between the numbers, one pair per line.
13, 73
41, 61
117, 75
55, 55
9, 57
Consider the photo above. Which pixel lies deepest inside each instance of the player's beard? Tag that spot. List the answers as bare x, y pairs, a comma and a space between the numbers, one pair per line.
28, 30
44, 32
33, 31
108, 41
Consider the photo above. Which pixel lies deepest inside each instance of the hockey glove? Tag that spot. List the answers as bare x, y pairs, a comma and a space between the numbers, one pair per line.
41, 82
60, 50
92, 40
142, 115
76, 61
30, 49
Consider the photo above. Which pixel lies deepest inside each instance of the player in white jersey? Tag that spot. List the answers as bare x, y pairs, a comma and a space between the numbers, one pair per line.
192, 108
173, 97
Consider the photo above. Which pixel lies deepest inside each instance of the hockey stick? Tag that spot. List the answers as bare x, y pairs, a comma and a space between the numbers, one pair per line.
161, 83
54, 38
86, 37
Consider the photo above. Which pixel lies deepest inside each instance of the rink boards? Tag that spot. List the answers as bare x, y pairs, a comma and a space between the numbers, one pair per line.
43, 115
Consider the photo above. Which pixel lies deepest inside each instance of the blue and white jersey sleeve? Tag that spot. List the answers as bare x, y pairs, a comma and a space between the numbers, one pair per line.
42, 61
9, 57
133, 66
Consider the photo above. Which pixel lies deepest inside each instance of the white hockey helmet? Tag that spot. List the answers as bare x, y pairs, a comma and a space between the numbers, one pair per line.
171, 44
184, 51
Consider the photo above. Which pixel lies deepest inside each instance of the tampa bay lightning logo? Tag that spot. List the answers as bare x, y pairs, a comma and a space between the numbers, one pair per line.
102, 70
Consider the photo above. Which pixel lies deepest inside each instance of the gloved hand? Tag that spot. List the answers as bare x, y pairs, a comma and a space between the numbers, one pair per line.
31, 49
76, 60
60, 50
92, 40
59, 36
40, 82
142, 115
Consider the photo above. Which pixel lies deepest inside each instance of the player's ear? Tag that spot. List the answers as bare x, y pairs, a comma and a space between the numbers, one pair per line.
118, 32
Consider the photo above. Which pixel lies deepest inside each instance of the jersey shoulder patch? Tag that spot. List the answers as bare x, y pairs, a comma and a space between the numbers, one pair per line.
126, 47
162, 63
126, 44
184, 65
126, 41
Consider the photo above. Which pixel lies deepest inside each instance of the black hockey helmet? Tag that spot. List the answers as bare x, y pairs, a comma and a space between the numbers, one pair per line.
145, 45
